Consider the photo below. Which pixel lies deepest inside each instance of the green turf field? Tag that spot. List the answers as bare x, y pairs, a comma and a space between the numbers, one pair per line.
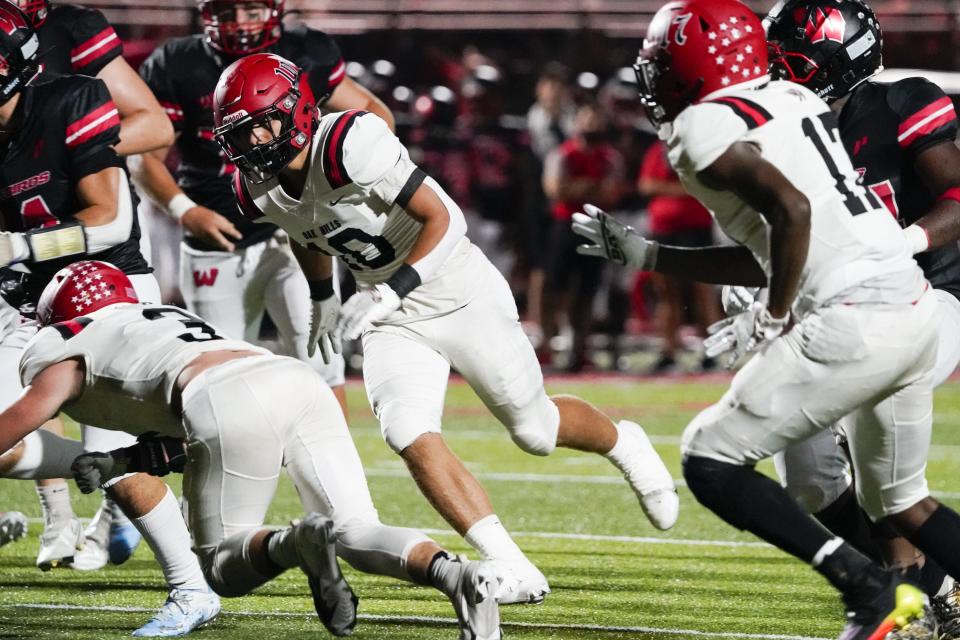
613, 575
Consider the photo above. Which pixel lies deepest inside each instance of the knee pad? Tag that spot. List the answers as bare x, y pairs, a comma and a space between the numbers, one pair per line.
712, 484
401, 423
372, 547
534, 426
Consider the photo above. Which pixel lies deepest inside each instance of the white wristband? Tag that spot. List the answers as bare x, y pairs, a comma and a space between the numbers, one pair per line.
917, 238
179, 205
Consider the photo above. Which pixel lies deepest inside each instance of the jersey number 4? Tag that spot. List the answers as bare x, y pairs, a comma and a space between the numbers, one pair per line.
200, 331
857, 200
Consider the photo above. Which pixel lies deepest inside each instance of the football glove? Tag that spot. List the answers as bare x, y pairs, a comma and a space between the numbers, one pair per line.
743, 333
153, 454
13, 248
323, 324
364, 308
92, 469
611, 239
738, 299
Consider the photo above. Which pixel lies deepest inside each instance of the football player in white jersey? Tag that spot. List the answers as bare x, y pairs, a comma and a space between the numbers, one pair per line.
849, 326
245, 414
428, 300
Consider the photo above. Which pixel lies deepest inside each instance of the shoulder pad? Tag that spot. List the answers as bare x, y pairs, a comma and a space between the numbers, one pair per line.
48, 347
927, 115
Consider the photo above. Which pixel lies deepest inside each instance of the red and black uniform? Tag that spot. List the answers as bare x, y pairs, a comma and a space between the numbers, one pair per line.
183, 73
76, 40
883, 128
67, 129
679, 221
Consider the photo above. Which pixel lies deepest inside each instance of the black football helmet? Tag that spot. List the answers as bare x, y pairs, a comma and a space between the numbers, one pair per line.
18, 51
829, 46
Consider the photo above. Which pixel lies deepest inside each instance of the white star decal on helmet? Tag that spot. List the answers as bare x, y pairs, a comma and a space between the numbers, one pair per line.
724, 80
733, 20
723, 26
725, 42
735, 33
735, 68
748, 28
748, 48
712, 36
711, 49
719, 59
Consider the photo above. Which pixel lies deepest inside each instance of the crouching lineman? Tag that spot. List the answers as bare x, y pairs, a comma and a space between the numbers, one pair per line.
344, 185
245, 415
766, 158
65, 196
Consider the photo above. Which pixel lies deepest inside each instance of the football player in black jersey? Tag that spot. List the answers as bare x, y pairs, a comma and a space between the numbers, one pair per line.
80, 40
65, 196
231, 269
900, 137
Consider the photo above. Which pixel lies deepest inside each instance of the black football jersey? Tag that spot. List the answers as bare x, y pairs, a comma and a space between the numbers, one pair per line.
183, 73
68, 126
883, 128
76, 40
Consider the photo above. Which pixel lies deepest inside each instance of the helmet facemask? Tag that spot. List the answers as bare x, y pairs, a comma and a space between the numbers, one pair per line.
279, 139
35, 10
235, 28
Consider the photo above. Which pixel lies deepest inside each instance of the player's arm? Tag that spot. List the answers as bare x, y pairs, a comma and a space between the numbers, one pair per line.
50, 389
939, 167
324, 302
316, 266
350, 95
143, 124
151, 173
742, 170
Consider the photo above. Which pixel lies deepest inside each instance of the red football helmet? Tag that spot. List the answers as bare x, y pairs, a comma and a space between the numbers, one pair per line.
36, 10
233, 27
18, 51
82, 288
694, 48
266, 93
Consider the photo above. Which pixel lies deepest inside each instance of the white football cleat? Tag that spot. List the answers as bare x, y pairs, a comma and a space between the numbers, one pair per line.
184, 611
59, 544
13, 526
333, 599
110, 537
647, 475
520, 582
472, 588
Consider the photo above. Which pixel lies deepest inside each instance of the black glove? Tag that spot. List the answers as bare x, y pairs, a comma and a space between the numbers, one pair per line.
157, 455
91, 470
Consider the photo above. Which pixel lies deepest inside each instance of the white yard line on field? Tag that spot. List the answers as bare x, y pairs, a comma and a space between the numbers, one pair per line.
446, 621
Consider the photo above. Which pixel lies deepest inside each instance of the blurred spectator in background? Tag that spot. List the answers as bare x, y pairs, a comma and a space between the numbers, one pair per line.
585, 168
679, 220
550, 119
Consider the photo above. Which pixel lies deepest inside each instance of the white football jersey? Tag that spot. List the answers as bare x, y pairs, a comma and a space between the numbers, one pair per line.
132, 354
359, 180
857, 250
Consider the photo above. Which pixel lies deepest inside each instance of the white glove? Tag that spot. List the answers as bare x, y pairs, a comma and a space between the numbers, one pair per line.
13, 248
364, 308
613, 240
738, 299
323, 324
745, 332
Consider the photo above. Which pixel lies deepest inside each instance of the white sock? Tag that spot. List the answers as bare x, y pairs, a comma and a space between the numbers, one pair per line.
45, 455
616, 453
491, 540
166, 533
55, 503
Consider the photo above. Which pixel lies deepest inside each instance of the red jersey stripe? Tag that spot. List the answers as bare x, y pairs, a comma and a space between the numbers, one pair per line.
333, 166
96, 121
247, 206
97, 46
926, 121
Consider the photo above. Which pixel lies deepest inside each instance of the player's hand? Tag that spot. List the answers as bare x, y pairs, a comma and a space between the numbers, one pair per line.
364, 308
743, 333
91, 470
611, 239
738, 299
13, 248
210, 227
323, 325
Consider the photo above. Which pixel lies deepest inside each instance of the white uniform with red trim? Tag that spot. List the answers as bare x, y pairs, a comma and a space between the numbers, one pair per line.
865, 337
243, 420
360, 180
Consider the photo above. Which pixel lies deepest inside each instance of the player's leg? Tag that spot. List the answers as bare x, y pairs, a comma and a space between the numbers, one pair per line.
287, 300
485, 343
322, 460
406, 382
948, 348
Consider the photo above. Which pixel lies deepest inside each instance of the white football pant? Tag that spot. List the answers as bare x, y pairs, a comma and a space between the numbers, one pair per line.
816, 471
873, 363
231, 291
